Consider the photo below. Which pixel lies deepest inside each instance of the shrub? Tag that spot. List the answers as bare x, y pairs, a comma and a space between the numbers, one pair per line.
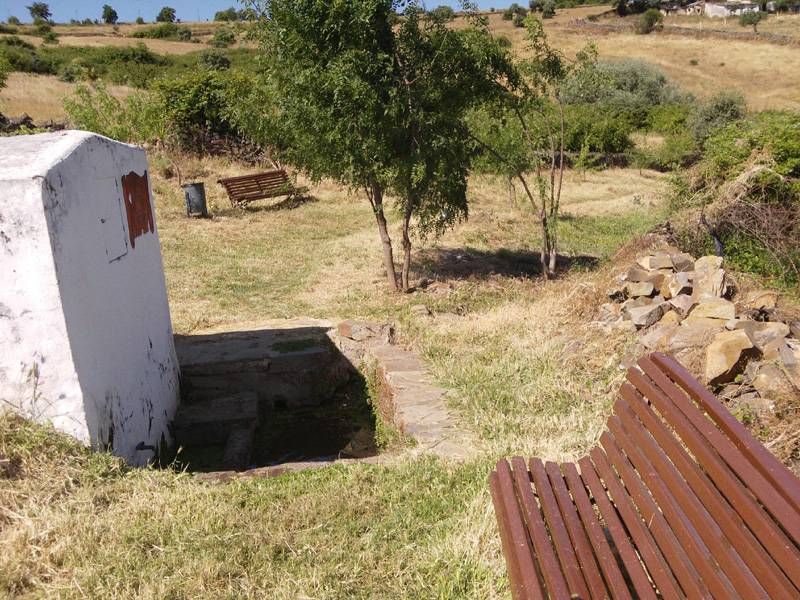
223, 37
139, 21
519, 20
597, 131
668, 118
443, 13
649, 21
165, 31
717, 111
229, 14
12, 20
8, 29
548, 9
138, 119
746, 187
630, 88
22, 56
752, 19
166, 15
50, 38
214, 60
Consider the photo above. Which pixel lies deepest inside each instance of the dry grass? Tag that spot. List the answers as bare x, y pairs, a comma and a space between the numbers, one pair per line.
41, 96
788, 25
767, 74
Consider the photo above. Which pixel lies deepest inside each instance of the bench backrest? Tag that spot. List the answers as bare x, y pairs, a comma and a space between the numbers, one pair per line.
258, 185
694, 504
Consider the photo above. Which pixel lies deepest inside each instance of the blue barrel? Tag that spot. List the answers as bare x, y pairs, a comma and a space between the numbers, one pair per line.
195, 199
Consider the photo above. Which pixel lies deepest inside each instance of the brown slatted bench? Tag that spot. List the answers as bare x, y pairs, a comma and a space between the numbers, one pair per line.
246, 188
678, 500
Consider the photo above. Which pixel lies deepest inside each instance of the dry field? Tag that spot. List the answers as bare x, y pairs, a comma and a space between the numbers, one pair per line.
788, 25
159, 46
767, 74
41, 96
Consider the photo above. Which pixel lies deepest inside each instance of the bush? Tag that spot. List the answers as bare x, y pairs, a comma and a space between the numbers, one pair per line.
548, 9
222, 38
512, 11
746, 186
518, 20
668, 118
229, 14
139, 21
50, 38
12, 20
443, 13
214, 60
597, 132
165, 31
630, 88
23, 56
677, 151
649, 21
8, 29
138, 119
752, 19
716, 112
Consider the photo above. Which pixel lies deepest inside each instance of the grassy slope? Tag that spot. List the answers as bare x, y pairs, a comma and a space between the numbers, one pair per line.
76, 524
721, 64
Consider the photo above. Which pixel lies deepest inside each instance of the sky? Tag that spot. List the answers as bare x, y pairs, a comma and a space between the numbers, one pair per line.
128, 10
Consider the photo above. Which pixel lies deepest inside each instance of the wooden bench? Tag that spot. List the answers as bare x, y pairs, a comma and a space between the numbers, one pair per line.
246, 188
678, 500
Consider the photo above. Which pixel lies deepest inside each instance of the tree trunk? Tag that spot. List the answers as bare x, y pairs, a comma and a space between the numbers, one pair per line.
406, 247
375, 195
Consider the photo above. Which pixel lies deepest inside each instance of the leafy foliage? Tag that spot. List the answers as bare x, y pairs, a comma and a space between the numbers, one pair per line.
377, 107
649, 21
166, 15
716, 112
110, 16
222, 38
752, 19
165, 31
40, 11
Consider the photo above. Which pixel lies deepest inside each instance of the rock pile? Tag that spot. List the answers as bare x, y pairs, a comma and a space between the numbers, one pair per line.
685, 306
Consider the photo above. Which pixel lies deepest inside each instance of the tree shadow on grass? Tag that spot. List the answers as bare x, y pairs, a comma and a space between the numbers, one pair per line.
470, 263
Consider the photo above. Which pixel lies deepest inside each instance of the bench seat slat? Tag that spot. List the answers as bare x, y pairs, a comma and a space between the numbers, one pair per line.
655, 560
731, 524
737, 461
693, 534
525, 585
721, 456
558, 531
551, 569
782, 480
682, 566
577, 535
677, 500
602, 551
760, 523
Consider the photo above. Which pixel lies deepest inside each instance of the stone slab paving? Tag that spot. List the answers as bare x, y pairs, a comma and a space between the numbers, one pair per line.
418, 404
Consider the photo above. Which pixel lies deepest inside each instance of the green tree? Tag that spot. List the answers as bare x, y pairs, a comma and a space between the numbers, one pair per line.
548, 9
12, 20
377, 107
522, 131
110, 16
229, 14
752, 19
649, 21
166, 15
139, 21
40, 11
443, 13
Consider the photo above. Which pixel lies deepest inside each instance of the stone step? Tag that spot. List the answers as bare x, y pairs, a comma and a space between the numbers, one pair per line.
238, 448
212, 421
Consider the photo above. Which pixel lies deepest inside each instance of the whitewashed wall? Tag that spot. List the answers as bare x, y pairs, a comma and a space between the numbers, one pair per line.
85, 333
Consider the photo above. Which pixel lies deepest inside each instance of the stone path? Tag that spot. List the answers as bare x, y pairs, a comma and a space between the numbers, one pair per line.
416, 405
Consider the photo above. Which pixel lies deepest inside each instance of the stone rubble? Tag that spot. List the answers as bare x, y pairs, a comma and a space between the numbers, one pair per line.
685, 306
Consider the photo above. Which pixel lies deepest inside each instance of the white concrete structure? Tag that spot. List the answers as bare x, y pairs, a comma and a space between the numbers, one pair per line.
729, 9
85, 331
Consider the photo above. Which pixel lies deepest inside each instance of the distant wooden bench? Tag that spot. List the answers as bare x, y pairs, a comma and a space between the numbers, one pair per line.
678, 500
246, 188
